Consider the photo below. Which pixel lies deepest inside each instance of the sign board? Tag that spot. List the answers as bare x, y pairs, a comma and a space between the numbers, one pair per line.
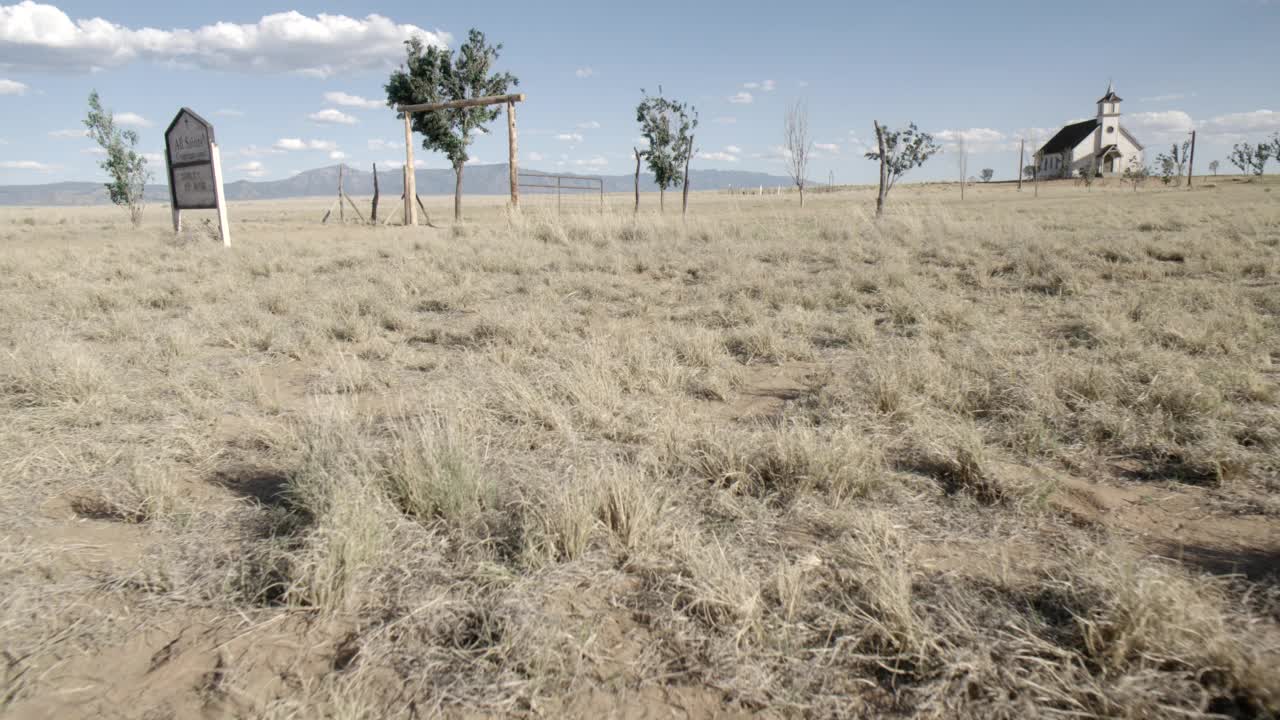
195, 169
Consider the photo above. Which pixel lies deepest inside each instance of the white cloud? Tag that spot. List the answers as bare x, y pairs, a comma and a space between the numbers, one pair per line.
329, 116
252, 169
37, 36
337, 155
1241, 124
975, 139
734, 149
832, 148
93, 151
742, 98
1158, 127
417, 164
299, 144
726, 120
130, 119
535, 157
73, 133
1165, 98
584, 72
765, 85
229, 112
597, 161
589, 125
378, 145
718, 156
12, 87
255, 151
154, 158
570, 137
774, 153
345, 100
26, 165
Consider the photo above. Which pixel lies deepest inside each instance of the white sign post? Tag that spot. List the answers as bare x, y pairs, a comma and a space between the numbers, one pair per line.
195, 170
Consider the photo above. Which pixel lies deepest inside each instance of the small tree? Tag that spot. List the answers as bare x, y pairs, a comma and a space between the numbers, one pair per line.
668, 126
128, 169
433, 75
1250, 159
898, 151
1086, 175
1213, 167
987, 174
1029, 171
1173, 163
1136, 174
795, 132
1275, 146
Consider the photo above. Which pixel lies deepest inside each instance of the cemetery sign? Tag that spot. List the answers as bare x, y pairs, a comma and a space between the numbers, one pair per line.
195, 170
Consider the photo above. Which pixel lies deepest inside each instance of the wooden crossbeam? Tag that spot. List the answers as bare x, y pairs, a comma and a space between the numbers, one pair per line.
454, 104
406, 111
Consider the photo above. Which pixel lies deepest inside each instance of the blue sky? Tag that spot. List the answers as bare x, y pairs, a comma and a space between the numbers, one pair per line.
285, 84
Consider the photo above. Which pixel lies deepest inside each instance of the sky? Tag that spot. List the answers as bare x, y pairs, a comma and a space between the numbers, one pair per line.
292, 85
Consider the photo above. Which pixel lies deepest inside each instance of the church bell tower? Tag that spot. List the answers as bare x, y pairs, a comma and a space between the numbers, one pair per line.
1108, 117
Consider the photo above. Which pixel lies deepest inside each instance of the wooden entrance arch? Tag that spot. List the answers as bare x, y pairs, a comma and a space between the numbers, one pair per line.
410, 185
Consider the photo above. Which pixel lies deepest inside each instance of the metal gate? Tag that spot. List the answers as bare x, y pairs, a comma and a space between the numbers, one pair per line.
569, 190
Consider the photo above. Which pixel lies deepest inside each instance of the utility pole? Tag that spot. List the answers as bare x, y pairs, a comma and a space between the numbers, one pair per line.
1021, 148
1191, 164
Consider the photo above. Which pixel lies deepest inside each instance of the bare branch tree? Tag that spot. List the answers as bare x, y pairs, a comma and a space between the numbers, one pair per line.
795, 131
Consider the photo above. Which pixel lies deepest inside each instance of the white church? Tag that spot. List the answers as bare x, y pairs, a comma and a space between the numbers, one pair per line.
1101, 143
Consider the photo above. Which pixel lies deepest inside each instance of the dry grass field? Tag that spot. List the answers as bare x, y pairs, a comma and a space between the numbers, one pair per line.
1016, 457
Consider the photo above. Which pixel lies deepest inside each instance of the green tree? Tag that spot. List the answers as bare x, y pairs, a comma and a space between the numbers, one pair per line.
668, 125
1213, 167
898, 151
127, 168
987, 174
1136, 174
1174, 162
435, 75
1250, 158
1029, 171
1087, 175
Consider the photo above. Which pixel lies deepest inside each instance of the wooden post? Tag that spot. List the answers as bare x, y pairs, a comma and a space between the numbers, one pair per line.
1192, 161
1021, 148
410, 182
557, 194
373, 212
684, 201
884, 170
223, 225
342, 212
637, 151
512, 154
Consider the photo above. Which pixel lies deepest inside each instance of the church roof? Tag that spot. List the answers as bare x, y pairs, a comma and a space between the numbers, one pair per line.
1070, 136
1111, 95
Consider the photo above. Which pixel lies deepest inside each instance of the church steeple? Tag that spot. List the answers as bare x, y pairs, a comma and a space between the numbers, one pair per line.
1109, 104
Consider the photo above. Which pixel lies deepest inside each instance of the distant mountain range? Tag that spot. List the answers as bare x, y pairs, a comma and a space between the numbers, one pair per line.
477, 180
